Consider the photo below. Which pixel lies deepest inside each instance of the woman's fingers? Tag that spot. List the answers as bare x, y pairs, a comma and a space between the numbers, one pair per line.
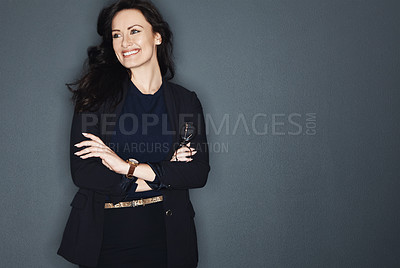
92, 154
91, 146
90, 149
89, 143
185, 149
184, 154
93, 137
96, 148
96, 151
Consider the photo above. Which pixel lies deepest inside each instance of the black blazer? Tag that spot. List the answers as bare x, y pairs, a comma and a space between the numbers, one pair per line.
82, 236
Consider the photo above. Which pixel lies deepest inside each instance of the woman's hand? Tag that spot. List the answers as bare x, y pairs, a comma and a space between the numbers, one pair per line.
95, 147
184, 154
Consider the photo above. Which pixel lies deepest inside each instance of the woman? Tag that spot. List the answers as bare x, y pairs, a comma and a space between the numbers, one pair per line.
127, 156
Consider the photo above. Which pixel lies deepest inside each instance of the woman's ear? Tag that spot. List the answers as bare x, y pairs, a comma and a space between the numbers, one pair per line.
158, 38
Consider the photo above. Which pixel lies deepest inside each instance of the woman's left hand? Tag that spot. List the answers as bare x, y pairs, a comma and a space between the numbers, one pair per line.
95, 147
184, 154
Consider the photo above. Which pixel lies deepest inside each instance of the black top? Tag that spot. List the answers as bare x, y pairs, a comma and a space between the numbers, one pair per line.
142, 131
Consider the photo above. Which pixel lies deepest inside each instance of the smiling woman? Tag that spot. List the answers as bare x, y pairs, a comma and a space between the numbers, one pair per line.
134, 42
133, 207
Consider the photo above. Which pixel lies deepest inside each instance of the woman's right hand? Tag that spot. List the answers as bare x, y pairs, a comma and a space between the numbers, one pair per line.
183, 154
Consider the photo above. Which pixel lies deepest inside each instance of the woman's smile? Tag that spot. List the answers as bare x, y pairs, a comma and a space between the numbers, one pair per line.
128, 53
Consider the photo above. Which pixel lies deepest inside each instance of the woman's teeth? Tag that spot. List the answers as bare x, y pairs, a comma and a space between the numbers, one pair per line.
131, 52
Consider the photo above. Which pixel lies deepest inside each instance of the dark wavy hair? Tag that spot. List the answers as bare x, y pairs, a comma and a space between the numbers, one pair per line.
103, 75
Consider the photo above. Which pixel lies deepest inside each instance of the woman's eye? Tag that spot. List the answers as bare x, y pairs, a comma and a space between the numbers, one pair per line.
116, 35
134, 31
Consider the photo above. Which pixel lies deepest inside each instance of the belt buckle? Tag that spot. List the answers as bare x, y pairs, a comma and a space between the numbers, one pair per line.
136, 203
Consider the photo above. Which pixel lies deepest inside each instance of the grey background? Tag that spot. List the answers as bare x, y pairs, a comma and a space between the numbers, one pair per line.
284, 198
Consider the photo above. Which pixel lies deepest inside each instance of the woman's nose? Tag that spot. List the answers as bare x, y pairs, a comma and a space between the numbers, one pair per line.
126, 42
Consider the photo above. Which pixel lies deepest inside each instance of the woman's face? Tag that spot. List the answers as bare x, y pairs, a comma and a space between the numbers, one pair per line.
134, 42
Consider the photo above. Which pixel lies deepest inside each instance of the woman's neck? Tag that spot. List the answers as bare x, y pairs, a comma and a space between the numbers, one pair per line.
147, 80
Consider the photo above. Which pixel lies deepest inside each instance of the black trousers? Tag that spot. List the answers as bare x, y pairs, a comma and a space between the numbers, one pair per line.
134, 238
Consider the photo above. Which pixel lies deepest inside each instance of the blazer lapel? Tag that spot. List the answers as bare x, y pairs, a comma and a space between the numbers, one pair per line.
112, 116
172, 115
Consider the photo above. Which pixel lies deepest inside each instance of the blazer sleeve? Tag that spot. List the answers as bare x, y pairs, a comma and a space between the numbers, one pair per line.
186, 175
90, 173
